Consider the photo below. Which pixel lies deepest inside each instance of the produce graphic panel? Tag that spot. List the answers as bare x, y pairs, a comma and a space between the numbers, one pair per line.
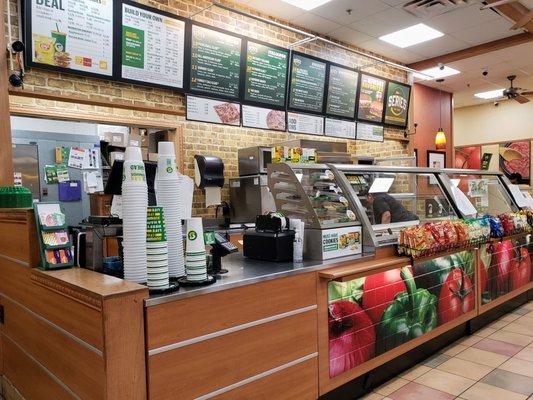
372, 315
515, 158
504, 266
76, 35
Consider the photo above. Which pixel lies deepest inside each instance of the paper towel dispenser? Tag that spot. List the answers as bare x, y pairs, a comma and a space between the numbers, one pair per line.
208, 171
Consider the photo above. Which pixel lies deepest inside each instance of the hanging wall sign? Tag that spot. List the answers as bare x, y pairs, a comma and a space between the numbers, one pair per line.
152, 46
215, 111
263, 118
215, 62
397, 108
308, 78
342, 91
305, 123
75, 35
370, 132
340, 128
371, 98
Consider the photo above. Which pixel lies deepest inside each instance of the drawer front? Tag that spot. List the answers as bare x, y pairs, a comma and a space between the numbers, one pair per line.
296, 382
196, 316
200, 368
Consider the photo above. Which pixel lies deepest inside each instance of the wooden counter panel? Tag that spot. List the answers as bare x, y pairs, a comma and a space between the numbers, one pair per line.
78, 367
73, 312
196, 316
18, 235
30, 379
297, 382
201, 368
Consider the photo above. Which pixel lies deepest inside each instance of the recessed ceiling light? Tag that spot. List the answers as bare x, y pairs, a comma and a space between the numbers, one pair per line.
306, 4
436, 73
491, 94
410, 36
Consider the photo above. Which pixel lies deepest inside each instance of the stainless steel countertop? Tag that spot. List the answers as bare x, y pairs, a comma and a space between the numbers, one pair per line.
244, 271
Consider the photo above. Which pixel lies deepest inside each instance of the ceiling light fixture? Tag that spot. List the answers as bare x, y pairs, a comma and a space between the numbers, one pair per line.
437, 73
412, 35
440, 137
491, 94
306, 4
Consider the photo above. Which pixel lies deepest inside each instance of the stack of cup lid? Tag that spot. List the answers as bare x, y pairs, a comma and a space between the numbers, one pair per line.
169, 197
134, 205
195, 255
156, 249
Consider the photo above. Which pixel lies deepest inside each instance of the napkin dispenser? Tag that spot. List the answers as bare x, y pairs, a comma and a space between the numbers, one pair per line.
209, 175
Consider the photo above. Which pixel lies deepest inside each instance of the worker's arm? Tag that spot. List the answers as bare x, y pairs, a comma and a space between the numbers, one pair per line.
386, 217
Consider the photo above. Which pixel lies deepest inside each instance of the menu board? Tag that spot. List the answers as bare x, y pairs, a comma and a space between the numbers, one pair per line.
215, 62
153, 47
397, 107
370, 132
308, 77
75, 35
266, 74
342, 91
263, 118
371, 98
340, 128
214, 111
305, 123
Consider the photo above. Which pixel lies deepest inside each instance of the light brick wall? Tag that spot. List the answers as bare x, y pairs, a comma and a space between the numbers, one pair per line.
202, 138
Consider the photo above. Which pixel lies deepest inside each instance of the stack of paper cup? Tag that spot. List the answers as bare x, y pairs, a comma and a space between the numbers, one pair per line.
156, 249
134, 204
169, 197
195, 256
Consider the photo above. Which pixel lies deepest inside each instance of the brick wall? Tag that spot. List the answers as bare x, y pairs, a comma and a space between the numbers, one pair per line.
203, 138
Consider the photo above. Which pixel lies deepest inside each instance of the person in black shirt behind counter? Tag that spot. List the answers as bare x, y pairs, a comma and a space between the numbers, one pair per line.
387, 209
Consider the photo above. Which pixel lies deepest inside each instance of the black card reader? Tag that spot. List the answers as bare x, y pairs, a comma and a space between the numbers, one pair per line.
222, 247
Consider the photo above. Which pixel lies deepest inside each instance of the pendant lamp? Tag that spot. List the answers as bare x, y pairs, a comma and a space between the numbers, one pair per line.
440, 137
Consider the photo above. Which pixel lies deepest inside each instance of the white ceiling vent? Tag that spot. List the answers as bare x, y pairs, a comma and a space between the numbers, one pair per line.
431, 8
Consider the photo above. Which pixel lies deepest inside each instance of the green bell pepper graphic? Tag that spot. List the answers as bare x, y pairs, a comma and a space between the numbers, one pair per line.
411, 314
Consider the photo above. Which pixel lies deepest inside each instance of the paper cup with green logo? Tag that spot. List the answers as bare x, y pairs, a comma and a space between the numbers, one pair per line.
195, 236
60, 40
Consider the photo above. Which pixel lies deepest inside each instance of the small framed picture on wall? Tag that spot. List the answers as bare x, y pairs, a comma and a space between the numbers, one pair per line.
436, 159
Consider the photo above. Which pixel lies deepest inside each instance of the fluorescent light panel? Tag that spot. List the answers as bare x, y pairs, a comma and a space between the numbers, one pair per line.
491, 94
412, 35
437, 73
306, 4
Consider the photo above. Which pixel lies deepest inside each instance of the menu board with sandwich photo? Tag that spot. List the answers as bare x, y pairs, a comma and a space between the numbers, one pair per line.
397, 108
308, 78
263, 118
74, 35
215, 62
204, 109
371, 98
342, 91
266, 74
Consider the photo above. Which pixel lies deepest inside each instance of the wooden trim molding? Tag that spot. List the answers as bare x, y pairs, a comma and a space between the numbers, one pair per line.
6, 150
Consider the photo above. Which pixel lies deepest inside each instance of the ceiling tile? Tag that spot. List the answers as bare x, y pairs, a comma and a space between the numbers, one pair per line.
336, 10
349, 35
392, 52
395, 2
484, 33
462, 18
436, 47
276, 8
385, 22
315, 23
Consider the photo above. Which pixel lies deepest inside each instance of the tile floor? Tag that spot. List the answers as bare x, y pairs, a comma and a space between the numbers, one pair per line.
496, 363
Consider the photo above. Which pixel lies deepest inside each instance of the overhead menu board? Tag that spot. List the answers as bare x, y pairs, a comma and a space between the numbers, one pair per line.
215, 62
263, 118
370, 132
342, 91
305, 123
266, 74
308, 77
340, 128
215, 111
397, 108
74, 35
152, 47
371, 98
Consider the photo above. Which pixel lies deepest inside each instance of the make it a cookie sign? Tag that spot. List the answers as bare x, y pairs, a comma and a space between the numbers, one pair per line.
397, 107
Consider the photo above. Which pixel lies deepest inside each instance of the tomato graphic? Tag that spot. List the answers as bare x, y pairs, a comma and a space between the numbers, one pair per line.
456, 297
520, 270
379, 291
351, 336
502, 254
484, 265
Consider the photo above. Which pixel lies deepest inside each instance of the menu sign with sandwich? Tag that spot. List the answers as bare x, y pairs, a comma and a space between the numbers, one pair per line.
308, 78
215, 62
397, 107
266, 74
371, 98
342, 91
263, 118
73, 35
204, 109
153, 47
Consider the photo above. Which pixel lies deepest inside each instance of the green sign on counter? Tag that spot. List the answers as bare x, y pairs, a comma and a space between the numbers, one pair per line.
308, 77
342, 92
266, 74
397, 104
215, 62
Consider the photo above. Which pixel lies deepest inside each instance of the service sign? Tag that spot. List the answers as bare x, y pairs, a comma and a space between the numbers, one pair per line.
397, 104
371, 98
74, 35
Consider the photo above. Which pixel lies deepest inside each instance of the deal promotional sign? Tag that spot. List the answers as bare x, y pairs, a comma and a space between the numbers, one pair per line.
372, 315
72, 34
397, 106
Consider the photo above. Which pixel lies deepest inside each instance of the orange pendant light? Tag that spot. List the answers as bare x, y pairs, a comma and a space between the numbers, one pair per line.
440, 137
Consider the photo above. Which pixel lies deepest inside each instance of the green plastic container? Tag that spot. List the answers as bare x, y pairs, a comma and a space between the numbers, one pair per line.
15, 197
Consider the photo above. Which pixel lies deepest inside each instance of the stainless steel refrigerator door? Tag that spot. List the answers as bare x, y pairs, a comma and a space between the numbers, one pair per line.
26, 163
